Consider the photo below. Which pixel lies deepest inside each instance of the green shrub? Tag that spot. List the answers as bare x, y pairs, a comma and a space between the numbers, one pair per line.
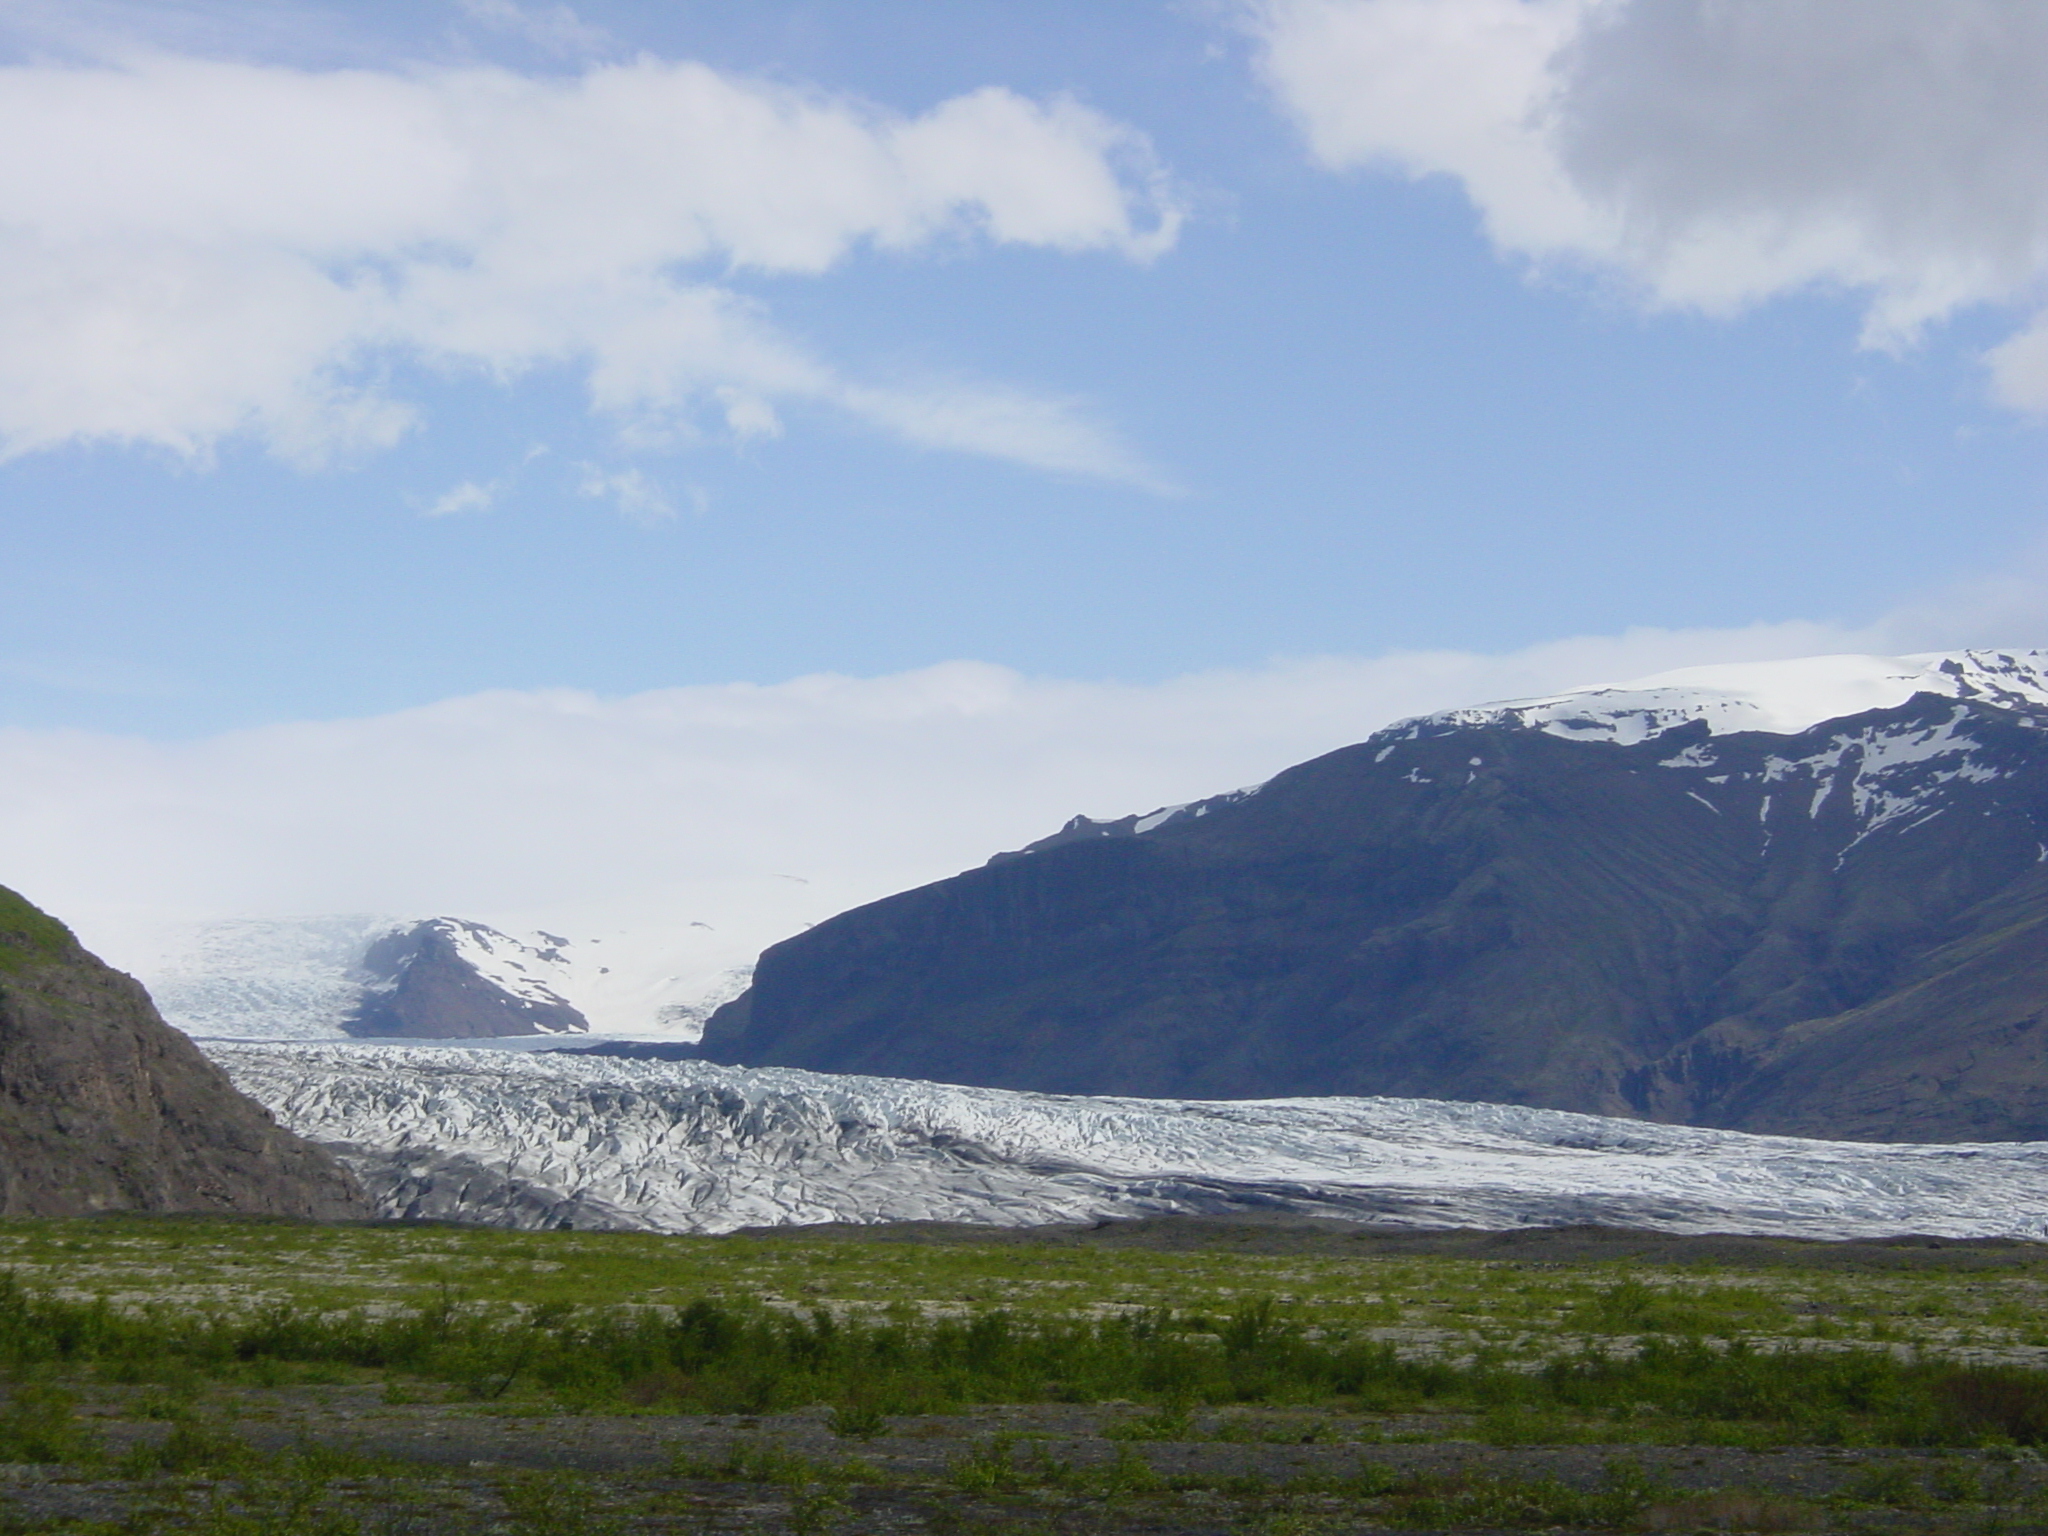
38, 1425
554, 1504
857, 1420
2003, 1402
724, 1356
190, 1449
1625, 1494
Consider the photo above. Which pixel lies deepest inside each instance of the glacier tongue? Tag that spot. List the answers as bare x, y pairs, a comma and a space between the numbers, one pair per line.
262, 978
600, 1142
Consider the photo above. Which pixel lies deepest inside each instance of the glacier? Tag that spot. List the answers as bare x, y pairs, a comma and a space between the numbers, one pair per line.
603, 1143
303, 978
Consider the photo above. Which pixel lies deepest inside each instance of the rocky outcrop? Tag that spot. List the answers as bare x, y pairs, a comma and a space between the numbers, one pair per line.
104, 1107
445, 979
1840, 931
1956, 1049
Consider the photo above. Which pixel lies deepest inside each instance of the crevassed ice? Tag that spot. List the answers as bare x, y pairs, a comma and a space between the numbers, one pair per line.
695, 1147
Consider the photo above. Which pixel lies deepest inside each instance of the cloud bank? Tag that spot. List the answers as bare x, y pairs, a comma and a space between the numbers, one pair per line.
192, 249
704, 823
1711, 154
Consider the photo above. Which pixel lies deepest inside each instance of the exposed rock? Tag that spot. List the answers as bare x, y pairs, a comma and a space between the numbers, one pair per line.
445, 979
1841, 931
105, 1107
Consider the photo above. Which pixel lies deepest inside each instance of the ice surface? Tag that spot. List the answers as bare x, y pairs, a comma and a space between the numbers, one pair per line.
543, 1140
262, 979
1780, 696
302, 978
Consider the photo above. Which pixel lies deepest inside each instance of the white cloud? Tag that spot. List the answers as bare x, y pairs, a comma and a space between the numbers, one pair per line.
473, 495
555, 28
1711, 153
192, 249
638, 499
1005, 424
469, 496
750, 809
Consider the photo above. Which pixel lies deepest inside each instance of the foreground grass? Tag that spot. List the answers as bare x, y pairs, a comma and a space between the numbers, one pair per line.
185, 1323
1536, 1353
735, 1356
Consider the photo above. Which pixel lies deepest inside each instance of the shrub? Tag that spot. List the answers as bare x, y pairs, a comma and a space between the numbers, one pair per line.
38, 1425
2001, 1401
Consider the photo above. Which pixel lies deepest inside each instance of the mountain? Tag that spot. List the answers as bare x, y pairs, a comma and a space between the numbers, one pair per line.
445, 979
548, 1139
104, 1107
1799, 896
427, 978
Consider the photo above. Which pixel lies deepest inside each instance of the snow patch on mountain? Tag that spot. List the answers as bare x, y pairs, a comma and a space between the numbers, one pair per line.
1779, 697
1151, 821
589, 1141
303, 978
1887, 771
1783, 697
534, 971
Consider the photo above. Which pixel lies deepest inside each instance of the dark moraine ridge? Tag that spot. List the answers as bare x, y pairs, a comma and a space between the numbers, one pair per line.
104, 1107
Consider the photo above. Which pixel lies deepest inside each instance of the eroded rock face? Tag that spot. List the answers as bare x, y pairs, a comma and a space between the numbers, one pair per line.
104, 1107
1839, 931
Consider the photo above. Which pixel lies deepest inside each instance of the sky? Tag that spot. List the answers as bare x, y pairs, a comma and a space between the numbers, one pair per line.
513, 459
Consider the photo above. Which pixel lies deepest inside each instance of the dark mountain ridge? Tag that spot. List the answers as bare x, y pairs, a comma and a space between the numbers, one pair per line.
104, 1107
1833, 932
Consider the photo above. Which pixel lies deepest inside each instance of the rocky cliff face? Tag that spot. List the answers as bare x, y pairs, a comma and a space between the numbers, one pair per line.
1840, 930
105, 1107
445, 979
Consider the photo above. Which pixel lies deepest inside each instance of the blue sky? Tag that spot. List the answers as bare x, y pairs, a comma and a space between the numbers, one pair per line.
1363, 426
1211, 381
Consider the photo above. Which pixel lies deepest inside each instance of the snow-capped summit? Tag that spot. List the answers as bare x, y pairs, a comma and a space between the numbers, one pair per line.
1782, 697
1778, 697
450, 979
1803, 895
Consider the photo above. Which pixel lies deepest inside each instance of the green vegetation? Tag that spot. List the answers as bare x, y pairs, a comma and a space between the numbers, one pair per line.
735, 1356
154, 1355
28, 934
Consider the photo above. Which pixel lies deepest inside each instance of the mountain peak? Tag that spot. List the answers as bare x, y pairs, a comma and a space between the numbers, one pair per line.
1780, 697
1802, 895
